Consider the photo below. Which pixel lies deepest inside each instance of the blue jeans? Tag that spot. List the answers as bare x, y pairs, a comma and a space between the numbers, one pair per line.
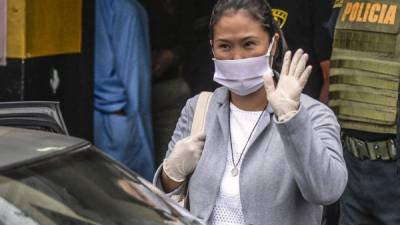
372, 195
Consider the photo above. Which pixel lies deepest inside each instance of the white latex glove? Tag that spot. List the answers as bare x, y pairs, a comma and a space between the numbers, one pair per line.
184, 157
285, 97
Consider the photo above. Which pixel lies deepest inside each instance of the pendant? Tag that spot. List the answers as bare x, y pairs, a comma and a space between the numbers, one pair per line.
234, 171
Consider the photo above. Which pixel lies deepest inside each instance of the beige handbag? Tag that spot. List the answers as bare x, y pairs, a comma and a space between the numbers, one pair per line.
198, 125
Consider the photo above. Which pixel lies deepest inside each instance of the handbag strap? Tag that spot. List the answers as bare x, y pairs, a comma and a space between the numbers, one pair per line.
200, 113
198, 125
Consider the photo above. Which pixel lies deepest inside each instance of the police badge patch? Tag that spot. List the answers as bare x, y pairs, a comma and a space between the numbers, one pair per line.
280, 17
338, 4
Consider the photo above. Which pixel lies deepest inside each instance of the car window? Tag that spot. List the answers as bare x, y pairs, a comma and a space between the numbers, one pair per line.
79, 188
41, 115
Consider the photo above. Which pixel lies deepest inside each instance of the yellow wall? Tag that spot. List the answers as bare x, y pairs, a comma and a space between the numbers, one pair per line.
15, 28
43, 27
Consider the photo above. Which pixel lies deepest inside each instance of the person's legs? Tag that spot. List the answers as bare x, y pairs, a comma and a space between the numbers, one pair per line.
354, 207
372, 195
384, 191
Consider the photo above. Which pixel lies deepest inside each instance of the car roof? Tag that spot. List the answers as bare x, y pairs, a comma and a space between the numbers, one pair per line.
19, 146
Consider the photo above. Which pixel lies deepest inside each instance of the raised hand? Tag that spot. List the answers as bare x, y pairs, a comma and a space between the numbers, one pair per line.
285, 96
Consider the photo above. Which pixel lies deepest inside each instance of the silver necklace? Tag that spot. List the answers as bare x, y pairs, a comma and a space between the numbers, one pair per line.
235, 170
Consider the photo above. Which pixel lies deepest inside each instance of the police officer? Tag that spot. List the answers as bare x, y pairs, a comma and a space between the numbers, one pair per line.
364, 93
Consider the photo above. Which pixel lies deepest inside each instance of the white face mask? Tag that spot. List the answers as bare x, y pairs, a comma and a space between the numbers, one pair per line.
243, 76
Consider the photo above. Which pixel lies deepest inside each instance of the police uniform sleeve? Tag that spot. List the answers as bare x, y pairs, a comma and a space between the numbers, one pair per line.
321, 11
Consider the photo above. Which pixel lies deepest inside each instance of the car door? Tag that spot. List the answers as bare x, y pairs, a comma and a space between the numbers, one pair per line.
42, 115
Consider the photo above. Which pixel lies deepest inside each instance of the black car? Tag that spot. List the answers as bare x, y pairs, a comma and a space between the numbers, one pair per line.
50, 178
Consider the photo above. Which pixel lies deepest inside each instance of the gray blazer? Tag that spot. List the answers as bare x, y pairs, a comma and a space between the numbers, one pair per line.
290, 169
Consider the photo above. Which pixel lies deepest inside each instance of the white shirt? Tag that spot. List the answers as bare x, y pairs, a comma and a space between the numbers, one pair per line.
228, 208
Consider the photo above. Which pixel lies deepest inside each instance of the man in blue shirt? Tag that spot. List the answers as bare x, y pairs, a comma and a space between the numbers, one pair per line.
122, 115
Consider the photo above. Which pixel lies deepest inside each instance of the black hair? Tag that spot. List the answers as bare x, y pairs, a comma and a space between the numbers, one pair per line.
260, 11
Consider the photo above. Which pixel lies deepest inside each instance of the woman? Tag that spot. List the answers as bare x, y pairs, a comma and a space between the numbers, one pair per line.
270, 155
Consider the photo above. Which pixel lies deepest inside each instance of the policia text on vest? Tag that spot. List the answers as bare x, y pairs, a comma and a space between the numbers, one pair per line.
367, 12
